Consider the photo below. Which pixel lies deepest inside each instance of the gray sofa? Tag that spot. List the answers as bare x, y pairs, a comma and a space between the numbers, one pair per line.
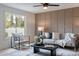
68, 40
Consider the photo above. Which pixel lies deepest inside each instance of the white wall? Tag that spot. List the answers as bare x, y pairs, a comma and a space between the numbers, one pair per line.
29, 26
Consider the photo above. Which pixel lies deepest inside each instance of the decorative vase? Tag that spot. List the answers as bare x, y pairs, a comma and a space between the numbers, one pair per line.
38, 40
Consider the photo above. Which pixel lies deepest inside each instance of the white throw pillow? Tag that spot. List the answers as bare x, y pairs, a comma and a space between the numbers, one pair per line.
46, 34
55, 35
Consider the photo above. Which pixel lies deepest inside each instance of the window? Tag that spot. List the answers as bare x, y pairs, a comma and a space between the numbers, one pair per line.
14, 24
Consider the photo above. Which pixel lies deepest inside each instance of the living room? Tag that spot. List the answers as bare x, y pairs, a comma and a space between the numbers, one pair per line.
58, 23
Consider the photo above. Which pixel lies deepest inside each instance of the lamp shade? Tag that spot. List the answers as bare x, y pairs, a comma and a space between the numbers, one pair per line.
45, 7
40, 28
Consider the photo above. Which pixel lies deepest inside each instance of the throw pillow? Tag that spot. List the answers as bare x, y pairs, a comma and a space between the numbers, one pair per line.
69, 37
55, 35
48, 35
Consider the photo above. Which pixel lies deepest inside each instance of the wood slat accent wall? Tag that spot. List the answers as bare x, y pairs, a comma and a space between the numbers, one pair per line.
54, 22
62, 21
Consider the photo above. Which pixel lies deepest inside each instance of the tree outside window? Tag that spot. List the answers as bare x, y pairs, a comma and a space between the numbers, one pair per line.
14, 24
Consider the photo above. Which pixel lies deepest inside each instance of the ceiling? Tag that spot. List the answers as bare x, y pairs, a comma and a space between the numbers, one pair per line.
29, 6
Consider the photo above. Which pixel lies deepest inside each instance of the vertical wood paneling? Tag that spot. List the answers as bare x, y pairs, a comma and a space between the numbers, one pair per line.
76, 24
68, 20
76, 20
48, 22
54, 22
36, 23
61, 21
76, 12
38, 19
42, 19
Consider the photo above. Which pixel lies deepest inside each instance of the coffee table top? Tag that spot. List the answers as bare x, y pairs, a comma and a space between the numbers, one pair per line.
45, 46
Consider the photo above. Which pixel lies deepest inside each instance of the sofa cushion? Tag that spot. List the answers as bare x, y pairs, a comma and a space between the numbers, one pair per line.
48, 41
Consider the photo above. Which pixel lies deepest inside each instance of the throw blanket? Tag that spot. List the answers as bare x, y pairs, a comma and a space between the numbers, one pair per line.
69, 38
51, 41
61, 42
